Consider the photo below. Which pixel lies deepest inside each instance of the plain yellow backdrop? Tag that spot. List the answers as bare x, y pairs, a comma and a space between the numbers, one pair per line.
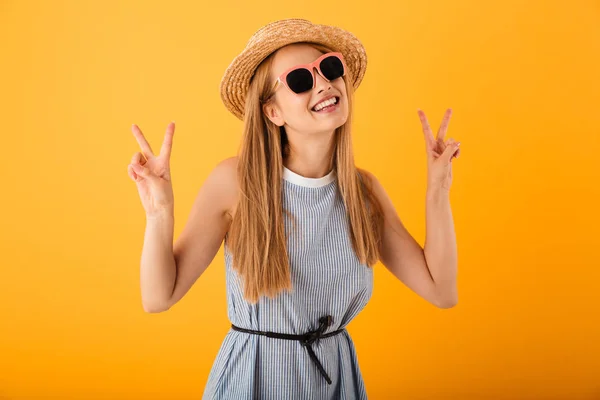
522, 78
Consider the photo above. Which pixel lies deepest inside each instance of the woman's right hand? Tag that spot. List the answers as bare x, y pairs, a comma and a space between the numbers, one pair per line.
152, 174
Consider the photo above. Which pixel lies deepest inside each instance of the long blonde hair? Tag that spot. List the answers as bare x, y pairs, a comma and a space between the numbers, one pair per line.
256, 237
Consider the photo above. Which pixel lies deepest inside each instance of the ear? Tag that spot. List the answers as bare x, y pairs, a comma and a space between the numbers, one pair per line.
272, 112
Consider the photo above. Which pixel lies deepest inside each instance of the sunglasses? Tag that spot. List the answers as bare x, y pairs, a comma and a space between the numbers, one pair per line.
301, 78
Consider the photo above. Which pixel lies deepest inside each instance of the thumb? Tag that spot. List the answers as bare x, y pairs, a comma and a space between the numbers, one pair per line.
449, 152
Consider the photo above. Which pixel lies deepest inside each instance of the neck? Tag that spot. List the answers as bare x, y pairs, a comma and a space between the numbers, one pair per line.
310, 156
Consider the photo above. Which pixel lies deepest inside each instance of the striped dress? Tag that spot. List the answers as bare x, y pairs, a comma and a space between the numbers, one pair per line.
328, 279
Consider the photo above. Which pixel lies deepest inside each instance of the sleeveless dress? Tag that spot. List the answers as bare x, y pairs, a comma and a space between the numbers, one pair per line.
328, 279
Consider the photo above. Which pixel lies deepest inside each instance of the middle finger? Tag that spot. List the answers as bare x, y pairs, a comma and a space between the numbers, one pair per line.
444, 125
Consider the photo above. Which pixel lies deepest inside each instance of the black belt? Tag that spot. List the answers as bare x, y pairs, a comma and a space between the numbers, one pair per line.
305, 339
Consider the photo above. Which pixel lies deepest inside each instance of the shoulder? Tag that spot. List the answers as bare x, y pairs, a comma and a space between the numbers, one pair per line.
370, 180
220, 189
227, 168
375, 189
224, 176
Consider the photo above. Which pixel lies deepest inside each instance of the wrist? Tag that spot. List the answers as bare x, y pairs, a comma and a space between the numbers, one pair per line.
162, 214
437, 192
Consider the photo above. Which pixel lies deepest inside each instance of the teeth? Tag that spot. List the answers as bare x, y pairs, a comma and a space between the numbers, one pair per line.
325, 104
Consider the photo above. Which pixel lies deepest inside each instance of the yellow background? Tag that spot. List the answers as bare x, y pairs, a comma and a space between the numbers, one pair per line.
523, 81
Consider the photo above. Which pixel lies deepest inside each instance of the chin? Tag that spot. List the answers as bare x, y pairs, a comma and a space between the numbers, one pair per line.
339, 120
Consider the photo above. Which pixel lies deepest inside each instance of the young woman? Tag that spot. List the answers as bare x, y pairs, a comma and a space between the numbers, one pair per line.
302, 225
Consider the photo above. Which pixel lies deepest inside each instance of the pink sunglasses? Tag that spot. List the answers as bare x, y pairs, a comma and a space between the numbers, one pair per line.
301, 78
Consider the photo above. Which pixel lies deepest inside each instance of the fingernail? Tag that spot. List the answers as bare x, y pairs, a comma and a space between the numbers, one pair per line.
457, 144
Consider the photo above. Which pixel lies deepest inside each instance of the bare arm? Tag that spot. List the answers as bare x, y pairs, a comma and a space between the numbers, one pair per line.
169, 270
157, 269
400, 253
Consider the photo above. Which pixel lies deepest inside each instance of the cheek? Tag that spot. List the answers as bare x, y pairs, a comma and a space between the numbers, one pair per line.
341, 87
294, 104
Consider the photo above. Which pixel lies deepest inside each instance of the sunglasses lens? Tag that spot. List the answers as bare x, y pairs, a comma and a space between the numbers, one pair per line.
299, 80
332, 67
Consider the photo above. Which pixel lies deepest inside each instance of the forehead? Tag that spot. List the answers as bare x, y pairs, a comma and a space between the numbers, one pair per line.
291, 55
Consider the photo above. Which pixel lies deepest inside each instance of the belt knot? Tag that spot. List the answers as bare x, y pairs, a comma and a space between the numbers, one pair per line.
312, 336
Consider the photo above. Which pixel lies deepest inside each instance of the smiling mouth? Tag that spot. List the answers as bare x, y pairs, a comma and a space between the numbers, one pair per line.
329, 107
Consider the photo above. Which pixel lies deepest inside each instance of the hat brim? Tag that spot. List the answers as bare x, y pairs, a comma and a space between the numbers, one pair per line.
236, 80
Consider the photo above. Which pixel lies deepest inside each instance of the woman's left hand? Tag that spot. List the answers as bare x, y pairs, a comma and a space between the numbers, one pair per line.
440, 153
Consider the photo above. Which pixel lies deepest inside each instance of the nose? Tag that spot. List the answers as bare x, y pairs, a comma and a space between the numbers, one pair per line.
320, 82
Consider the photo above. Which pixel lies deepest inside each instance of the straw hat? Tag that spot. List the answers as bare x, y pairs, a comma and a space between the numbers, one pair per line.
236, 80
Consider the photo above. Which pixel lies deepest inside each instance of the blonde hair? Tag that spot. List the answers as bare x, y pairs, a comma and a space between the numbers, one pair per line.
256, 237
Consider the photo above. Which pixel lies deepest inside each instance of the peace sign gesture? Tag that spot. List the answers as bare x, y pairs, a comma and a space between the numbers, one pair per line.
152, 174
439, 152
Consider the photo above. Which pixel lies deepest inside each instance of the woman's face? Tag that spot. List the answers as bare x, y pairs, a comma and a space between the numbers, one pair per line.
295, 111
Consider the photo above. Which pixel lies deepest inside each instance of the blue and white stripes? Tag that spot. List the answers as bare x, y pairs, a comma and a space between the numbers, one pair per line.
327, 279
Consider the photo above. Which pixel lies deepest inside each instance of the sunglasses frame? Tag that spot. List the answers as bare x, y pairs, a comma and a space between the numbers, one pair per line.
311, 67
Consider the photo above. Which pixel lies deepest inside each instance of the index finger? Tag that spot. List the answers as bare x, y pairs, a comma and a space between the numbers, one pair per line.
144, 145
